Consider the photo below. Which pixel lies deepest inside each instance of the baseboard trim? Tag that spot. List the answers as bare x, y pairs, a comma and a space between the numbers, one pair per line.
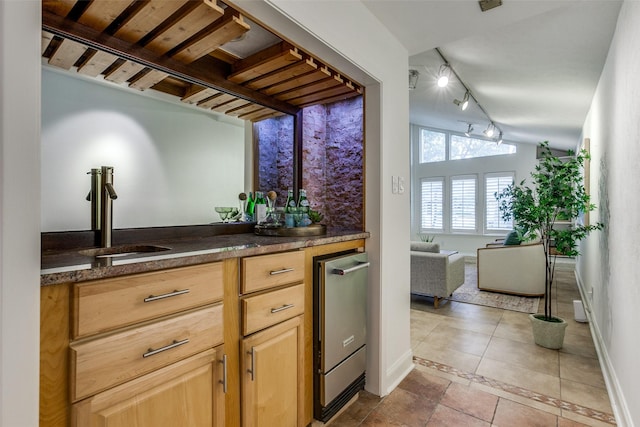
399, 370
616, 396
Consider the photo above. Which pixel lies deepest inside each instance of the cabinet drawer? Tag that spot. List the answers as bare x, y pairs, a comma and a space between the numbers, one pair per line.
261, 311
103, 362
108, 304
266, 271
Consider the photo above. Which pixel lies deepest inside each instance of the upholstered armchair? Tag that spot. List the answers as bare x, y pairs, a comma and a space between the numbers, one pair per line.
512, 269
433, 273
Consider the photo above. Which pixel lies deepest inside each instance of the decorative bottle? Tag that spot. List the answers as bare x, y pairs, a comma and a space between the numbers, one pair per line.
291, 202
303, 202
250, 207
260, 208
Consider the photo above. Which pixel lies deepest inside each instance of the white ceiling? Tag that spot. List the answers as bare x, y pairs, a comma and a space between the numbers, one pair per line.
533, 65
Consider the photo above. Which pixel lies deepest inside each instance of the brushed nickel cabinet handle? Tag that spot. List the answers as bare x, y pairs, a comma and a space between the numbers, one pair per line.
284, 270
284, 307
168, 295
224, 373
174, 344
253, 358
344, 271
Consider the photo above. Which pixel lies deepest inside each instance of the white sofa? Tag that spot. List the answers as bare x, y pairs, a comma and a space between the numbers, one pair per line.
512, 269
435, 274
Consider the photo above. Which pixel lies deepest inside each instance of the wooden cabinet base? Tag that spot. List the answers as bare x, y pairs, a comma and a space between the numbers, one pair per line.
187, 393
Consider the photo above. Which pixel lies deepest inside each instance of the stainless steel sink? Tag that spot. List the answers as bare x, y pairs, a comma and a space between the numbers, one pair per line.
122, 251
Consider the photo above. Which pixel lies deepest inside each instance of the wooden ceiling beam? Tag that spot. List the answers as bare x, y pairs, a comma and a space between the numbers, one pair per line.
194, 73
283, 74
124, 72
318, 86
148, 80
100, 14
197, 93
153, 13
97, 63
258, 65
67, 54
231, 105
211, 38
305, 79
181, 28
332, 99
58, 7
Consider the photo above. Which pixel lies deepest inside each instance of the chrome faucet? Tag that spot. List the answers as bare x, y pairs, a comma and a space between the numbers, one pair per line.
101, 196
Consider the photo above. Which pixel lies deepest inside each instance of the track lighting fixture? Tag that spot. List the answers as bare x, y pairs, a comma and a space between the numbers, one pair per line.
490, 130
469, 130
413, 79
464, 103
499, 141
443, 75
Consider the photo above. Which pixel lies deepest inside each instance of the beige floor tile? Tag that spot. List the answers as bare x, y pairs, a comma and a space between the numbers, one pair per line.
584, 420
475, 312
445, 375
581, 369
585, 395
577, 328
461, 340
401, 408
463, 361
526, 355
483, 327
564, 422
511, 414
519, 376
445, 416
517, 398
471, 401
580, 345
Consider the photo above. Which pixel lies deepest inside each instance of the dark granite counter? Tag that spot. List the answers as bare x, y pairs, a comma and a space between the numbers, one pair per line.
69, 265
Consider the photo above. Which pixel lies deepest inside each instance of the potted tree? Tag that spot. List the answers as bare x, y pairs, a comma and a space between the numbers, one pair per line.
556, 191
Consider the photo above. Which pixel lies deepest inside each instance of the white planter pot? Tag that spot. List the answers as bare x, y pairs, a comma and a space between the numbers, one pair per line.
548, 334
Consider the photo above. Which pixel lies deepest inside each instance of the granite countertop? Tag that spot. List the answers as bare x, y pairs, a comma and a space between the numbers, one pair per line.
69, 265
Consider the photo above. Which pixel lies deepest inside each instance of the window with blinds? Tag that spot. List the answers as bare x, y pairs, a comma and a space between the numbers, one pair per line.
431, 204
463, 203
494, 183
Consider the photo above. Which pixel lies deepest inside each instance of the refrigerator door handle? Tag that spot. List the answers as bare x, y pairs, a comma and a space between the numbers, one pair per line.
344, 271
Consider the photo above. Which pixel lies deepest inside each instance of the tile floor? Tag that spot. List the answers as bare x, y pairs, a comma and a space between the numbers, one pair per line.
478, 366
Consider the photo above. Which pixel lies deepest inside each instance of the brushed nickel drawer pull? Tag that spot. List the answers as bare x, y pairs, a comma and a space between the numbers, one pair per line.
284, 307
163, 296
253, 358
284, 270
224, 374
174, 344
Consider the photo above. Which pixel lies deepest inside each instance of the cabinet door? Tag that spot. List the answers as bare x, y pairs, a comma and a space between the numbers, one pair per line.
188, 393
272, 376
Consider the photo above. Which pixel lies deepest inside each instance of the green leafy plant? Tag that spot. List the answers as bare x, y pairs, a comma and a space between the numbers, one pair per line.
315, 216
557, 192
426, 237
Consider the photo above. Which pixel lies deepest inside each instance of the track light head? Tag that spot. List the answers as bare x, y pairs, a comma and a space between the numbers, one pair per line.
499, 141
490, 130
413, 79
464, 103
469, 130
443, 75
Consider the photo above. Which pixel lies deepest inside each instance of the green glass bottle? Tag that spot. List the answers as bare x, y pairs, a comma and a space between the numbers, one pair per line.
260, 208
291, 202
303, 202
250, 207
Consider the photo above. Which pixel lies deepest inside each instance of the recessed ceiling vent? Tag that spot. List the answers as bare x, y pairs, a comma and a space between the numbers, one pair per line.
489, 4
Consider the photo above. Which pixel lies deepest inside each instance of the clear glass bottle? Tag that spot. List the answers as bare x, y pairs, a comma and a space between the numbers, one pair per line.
260, 208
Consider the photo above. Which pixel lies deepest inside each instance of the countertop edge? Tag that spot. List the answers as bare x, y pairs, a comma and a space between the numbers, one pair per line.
75, 273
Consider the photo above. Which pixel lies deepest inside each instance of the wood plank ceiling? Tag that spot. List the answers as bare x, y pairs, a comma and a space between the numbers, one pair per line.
181, 47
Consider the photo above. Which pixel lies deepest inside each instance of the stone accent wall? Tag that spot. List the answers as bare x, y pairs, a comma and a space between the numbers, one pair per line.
333, 162
275, 156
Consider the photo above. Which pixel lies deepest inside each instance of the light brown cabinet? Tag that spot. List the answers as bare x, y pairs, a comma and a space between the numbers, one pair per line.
188, 393
272, 376
272, 350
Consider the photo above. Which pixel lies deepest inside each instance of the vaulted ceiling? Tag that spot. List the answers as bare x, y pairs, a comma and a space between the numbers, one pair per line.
201, 52
533, 65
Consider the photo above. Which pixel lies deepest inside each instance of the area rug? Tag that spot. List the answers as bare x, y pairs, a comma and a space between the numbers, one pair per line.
469, 293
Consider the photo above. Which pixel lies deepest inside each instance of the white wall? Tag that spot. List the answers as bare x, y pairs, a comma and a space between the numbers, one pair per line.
349, 37
172, 163
19, 212
608, 270
522, 163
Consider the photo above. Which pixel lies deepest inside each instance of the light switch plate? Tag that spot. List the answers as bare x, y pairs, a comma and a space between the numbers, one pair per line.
394, 184
400, 185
